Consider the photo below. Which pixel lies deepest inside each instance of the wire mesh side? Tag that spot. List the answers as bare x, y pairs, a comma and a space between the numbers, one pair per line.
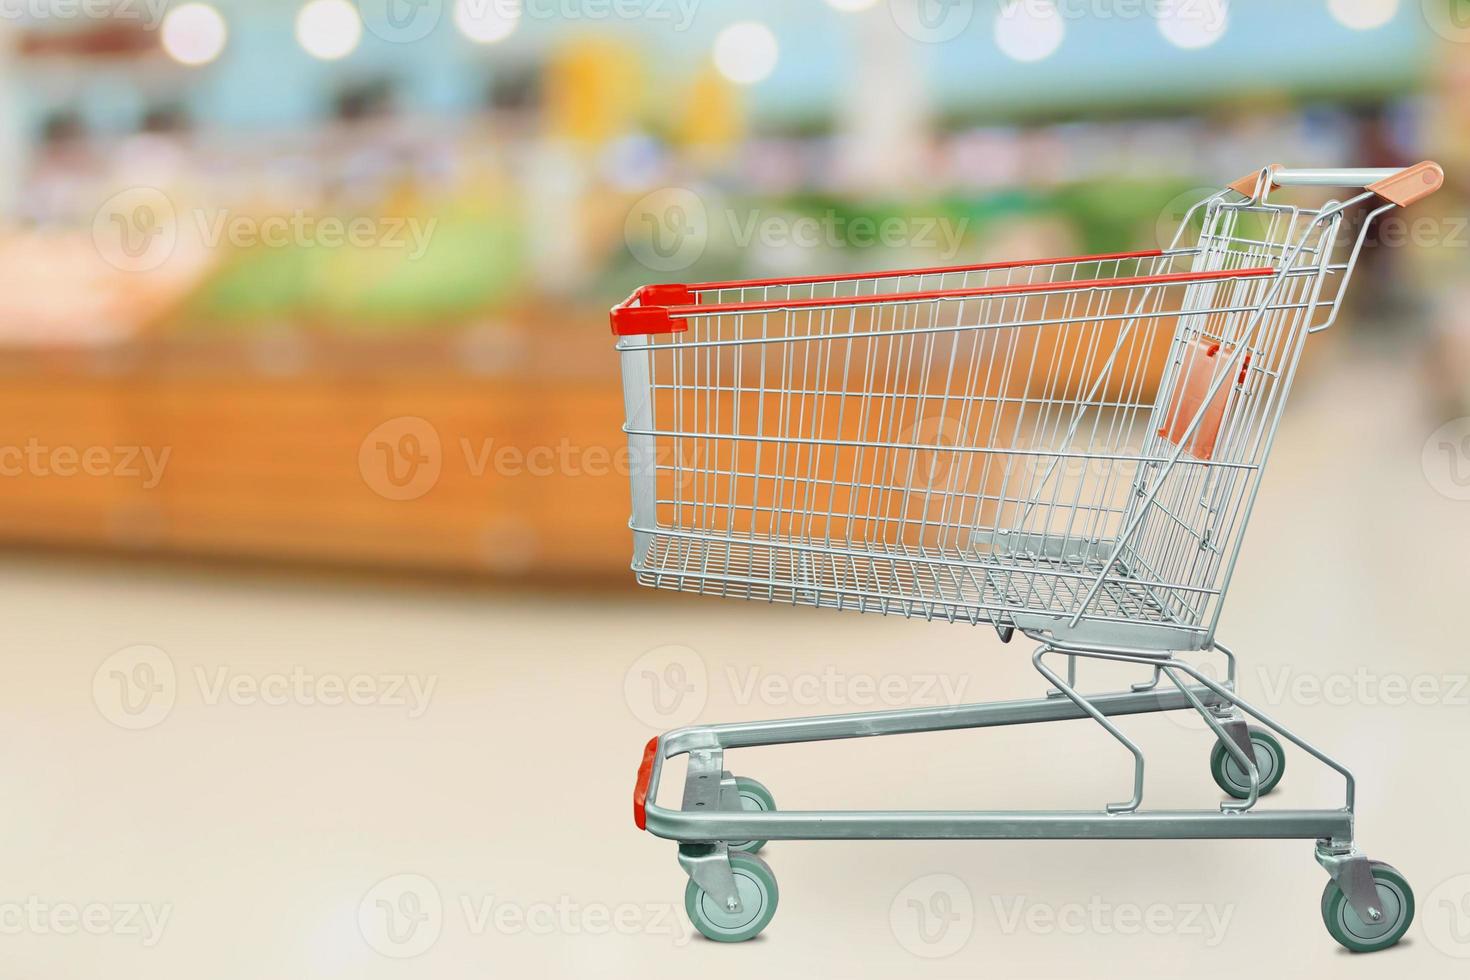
1028, 273
973, 457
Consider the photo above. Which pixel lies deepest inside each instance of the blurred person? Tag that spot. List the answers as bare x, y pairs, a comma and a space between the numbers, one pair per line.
63, 168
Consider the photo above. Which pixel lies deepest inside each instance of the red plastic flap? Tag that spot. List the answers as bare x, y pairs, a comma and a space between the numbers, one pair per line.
651, 315
1201, 361
640, 788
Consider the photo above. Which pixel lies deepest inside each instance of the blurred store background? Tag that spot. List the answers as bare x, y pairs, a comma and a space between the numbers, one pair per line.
322, 282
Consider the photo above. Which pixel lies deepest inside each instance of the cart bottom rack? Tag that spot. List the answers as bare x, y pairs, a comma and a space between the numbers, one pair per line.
725, 819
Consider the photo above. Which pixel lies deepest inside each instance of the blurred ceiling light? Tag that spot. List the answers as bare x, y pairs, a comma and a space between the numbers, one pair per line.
193, 34
850, 6
486, 21
1362, 15
1029, 30
746, 52
328, 29
1193, 23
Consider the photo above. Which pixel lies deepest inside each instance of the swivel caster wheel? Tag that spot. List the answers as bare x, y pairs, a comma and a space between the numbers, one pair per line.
1233, 779
756, 886
753, 797
1395, 899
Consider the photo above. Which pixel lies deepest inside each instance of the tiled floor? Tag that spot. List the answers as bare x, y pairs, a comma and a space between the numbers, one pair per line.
222, 776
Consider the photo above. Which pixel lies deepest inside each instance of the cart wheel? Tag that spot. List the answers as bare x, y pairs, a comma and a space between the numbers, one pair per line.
1395, 898
1270, 764
753, 796
758, 895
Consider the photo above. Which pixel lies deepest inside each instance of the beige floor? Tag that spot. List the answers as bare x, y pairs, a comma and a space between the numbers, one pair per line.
270, 839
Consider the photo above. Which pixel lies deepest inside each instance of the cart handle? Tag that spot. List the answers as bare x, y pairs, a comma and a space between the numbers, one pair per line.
1399, 185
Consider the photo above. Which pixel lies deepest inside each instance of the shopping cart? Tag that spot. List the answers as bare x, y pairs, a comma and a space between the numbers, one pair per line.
1070, 448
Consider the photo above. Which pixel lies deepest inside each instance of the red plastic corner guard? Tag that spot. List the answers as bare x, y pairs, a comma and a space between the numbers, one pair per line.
651, 315
640, 788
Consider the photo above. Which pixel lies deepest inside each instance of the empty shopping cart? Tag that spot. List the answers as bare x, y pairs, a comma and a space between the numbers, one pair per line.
1067, 448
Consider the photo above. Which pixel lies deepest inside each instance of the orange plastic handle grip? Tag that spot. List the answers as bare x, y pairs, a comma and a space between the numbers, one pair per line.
1401, 187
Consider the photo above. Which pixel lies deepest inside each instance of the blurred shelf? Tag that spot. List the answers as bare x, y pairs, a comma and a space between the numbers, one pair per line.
272, 464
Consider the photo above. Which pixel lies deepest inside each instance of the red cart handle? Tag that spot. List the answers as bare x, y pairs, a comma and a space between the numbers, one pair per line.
628, 319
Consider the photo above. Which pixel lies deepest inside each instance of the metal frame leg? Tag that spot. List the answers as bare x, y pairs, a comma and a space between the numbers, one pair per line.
1102, 720
1246, 760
